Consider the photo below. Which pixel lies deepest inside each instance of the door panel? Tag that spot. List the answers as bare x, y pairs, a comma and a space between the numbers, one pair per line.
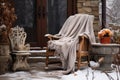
41, 22
57, 14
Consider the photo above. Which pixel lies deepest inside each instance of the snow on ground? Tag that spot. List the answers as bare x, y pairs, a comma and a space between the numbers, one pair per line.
85, 74
89, 74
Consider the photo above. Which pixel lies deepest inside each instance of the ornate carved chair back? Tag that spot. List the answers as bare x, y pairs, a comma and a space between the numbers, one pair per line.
17, 38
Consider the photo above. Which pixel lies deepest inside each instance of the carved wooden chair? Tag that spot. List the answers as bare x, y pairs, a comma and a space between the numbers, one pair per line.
19, 50
83, 55
82, 49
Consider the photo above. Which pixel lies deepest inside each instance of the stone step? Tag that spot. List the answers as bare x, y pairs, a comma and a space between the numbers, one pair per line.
37, 53
42, 59
36, 59
35, 48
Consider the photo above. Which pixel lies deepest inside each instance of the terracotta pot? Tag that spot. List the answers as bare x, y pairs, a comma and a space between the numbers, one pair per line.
105, 40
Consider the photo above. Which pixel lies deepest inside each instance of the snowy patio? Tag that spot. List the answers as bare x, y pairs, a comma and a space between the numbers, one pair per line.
36, 59
38, 72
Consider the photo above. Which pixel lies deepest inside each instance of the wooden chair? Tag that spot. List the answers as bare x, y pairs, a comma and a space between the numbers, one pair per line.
77, 30
19, 50
83, 57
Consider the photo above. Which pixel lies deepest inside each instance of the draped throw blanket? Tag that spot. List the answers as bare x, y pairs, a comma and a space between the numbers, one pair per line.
75, 26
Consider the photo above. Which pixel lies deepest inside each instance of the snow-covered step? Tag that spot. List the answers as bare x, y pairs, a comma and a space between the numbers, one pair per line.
36, 53
40, 56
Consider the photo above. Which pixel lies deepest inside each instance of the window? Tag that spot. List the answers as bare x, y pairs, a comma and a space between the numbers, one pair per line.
109, 12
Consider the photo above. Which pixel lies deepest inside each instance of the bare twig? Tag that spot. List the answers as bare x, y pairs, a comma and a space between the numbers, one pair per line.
87, 74
93, 76
110, 77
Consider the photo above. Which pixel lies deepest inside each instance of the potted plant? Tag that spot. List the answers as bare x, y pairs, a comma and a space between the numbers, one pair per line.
105, 35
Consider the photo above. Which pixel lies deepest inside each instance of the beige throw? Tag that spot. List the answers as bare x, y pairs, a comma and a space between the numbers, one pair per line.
75, 26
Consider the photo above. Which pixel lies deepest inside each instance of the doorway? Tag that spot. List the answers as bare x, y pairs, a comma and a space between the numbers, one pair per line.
39, 17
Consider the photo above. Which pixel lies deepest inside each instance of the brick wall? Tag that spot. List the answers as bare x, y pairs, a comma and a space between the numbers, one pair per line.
90, 7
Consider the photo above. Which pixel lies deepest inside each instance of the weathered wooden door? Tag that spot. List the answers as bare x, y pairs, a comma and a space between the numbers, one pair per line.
39, 17
51, 16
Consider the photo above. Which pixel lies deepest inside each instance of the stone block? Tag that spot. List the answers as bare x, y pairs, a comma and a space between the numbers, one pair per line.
81, 11
79, 5
95, 3
4, 50
87, 9
4, 64
81, 0
87, 3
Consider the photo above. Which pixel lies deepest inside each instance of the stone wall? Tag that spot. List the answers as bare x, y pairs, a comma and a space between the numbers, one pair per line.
90, 7
5, 58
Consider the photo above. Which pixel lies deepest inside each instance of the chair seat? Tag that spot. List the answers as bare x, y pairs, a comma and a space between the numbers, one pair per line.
21, 53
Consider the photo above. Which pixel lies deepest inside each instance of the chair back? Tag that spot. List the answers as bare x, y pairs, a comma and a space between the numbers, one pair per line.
17, 38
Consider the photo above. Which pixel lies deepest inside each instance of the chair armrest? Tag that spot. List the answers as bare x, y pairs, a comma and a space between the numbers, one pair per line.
27, 46
83, 37
52, 37
84, 43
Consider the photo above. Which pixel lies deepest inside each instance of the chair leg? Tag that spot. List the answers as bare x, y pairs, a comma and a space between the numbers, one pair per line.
88, 60
47, 59
79, 62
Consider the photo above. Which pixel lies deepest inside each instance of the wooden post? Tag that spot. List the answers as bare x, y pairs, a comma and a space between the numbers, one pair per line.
103, 13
